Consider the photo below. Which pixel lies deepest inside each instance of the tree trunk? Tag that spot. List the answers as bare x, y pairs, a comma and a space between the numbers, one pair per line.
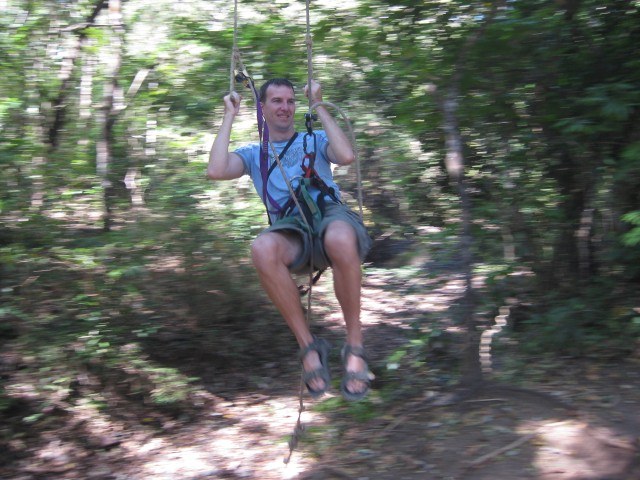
471, 368
58, 106
139, 150
112, 102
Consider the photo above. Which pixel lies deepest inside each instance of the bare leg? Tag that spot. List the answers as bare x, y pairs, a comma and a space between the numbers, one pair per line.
272, 252
340, 243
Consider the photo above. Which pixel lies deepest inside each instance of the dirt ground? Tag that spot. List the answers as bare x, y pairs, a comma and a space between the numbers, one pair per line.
539, 418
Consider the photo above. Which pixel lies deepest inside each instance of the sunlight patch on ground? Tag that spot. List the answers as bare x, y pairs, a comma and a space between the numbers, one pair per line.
243, 438
254, 445
573, 449
178, 463
384, 298
377, 308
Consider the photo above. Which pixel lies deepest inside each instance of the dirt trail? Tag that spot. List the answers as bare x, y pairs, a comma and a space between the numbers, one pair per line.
238, 422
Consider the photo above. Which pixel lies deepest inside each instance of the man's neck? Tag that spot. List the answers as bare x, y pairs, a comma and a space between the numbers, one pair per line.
277, 136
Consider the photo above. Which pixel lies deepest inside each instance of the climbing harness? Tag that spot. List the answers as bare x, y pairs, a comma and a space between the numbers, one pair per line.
310, 209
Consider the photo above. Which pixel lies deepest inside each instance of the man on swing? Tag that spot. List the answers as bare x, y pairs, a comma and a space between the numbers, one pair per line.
339, 238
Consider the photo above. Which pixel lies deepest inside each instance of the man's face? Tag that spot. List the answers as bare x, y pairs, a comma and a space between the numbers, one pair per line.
279, 107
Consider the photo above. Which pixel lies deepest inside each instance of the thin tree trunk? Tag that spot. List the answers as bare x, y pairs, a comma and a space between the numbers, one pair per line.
584, 235
50, 131
112, 102
86, 86
471, 367
59, 104
138, 150
471, 371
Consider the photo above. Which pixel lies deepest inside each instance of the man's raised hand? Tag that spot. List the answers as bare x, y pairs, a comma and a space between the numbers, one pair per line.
314, 93
232, 102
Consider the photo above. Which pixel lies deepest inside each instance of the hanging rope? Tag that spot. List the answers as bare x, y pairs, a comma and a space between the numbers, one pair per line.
314, 106
353, 145
237, 66
299, 428
309, 42
234, 52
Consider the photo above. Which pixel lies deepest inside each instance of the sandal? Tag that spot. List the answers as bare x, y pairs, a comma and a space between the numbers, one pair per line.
363, 376
322, 347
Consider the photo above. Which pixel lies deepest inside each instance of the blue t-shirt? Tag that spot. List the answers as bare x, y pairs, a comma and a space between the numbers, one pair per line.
276, 186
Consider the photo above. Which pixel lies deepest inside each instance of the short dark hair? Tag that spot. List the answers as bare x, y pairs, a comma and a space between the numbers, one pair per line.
277, 82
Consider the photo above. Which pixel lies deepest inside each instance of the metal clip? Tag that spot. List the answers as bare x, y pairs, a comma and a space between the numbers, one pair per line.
241, 77
309, 118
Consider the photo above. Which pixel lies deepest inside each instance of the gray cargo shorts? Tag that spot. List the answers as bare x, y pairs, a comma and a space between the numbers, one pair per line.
333, 211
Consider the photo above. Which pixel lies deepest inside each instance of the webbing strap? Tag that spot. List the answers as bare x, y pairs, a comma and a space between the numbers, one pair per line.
266, 197
309, 170
314, 209
309, 173
263, 131
283, 153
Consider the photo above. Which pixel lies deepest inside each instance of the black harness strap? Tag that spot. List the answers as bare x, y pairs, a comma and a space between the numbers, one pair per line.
312, 209
274, 165
283, 153
311, 176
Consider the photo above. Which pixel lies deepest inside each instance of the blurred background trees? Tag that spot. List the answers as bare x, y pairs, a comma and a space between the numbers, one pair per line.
108, 108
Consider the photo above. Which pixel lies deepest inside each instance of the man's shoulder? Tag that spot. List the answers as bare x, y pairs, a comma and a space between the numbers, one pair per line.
248, 149
248, 146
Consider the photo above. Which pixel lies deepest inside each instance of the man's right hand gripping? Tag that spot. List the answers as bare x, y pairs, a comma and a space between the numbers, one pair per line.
232, 103
223, 164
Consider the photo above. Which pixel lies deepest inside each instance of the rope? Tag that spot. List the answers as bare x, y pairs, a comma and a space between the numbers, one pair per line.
353, 145
235, 54
309, 42
236, 64
299, 428
313, 106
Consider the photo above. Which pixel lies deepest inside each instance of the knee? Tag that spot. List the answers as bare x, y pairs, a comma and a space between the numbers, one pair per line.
264, 251
341, 244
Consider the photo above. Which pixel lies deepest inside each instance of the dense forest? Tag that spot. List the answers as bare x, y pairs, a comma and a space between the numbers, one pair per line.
499, 145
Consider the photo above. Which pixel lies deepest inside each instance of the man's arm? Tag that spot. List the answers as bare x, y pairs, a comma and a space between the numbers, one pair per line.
340, 150
225, 165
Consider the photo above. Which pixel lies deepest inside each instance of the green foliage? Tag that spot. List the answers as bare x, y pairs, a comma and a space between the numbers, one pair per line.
415, 352
588, 325
632, 238
362, 411
5, 402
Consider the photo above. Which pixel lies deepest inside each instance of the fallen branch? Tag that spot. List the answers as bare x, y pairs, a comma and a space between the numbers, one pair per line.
326, 469
484, 400
442, 400
480, 460
395, 424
